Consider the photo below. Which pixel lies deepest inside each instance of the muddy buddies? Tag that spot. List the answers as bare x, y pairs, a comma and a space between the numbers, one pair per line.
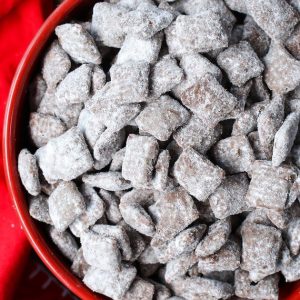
164, 148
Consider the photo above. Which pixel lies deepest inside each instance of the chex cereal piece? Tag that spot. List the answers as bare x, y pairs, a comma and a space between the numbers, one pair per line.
276, 17
261, 248
257, 38
43, 127
282, 70
91, 126
269, 121
75, 87
195, 287
216, 237
110, 181
165, 75
234, 154
65, 242
292, 43
209, 100
101, 251
107, 24
138, 49
94, 211
229, 198
196, 33
140, 156
179, 266
270, 186
66, 203
162, 117
185, 242
161, 180
132, 207
279, 218
29, 172
290, 267
39, 209
117, 160
108, 283
199, 176
195, 66
237, 5
293, 236
259, 151
78, 43
240, 63
284, 138
140, 289
148, 256
65, 157
257, 216
267, 288
98, 79
175, 211
37, 89
79, 265
112, 210
107, 144
226, 259
147, 20
133, 4
197, 134
56, 65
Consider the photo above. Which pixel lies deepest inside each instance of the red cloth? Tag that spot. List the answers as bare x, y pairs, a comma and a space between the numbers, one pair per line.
19, 21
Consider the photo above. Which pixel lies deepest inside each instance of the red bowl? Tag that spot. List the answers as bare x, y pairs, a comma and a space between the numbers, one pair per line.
14, 139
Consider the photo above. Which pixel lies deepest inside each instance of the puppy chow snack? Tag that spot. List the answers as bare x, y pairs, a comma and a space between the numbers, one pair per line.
163, 148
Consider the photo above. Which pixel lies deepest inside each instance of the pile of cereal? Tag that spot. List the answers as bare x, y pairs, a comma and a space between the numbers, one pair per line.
165, 148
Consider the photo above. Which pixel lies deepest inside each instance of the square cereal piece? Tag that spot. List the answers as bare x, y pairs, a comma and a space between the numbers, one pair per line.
261, 250
266, 288
175, 211
108, 283
165, 75
39, 209
162, 117
138, 49
226, 259
56, 65
147, 20
196, 33
197, 134
209, 100
216, 237
140, 289
43, 127
107, 24
199, 176
65, 242
270, 186
78, 43
234, 154
282, 70
101, 251
229, 198
66, 203
65, 157
240, 63
276, 17
140, 156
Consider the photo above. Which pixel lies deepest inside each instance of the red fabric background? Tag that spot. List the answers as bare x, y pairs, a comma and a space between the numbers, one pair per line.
19, 21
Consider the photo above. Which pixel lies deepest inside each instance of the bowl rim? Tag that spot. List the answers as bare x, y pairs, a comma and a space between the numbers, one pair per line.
16, 192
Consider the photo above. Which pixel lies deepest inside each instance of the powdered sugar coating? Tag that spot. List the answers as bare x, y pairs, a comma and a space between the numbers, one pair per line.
234, 154
162, 117
43, 127
140, 289
197, 174
39, 209
161, 180
117, 160
37, 91
240, 62
293, 235
66, 203
112, 211
98, 79
79, 265
258, 150
65, 157
56, 65
29, 172
215, 238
